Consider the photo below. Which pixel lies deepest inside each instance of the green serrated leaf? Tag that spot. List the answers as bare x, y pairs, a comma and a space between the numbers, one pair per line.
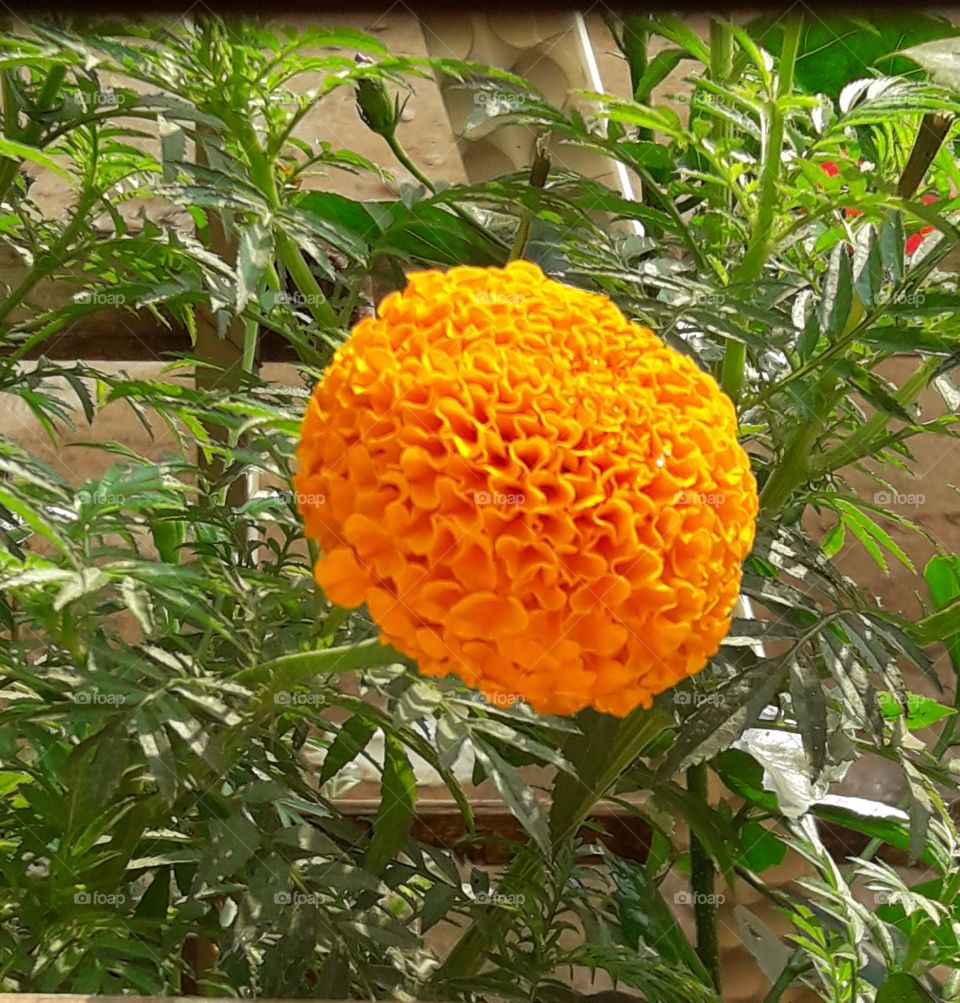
809, 703
942, 575
832, 541
867, 266
837, 296
137, 600
156, 747
80, 584
229, 845
647, 919
398, 807
921, 711
351, 740
517, 795
255, 255
902, 988
760, 848
892, 242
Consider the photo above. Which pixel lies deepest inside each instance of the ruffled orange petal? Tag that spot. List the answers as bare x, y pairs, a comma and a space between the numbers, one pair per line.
528, 490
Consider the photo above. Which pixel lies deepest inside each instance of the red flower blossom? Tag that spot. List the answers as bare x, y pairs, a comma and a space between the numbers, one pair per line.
915, 239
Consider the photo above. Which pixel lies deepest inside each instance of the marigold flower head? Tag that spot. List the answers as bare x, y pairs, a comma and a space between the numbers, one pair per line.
527, 490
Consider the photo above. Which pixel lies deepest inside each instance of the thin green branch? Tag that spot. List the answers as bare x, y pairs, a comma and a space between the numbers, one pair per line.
396, 148
702, 884
761, 239
47, 264
539, 170
264, 177
30, 136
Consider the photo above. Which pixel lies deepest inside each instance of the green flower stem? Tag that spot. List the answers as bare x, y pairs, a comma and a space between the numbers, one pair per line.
45, 99
858, 443
761, 236
721, 67
794, 967
262, 174
721, 51
47, 263
702, 883
249, 359
301, 666
797, 464
794, 469
539, 170
599, 755
702, 871
298, 269
11, 128
396, 148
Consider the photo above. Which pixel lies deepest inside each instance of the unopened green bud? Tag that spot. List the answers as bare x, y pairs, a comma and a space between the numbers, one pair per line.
376, 109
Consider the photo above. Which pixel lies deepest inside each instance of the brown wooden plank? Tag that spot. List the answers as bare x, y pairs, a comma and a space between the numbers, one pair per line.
76, 998
439, 823
122, 336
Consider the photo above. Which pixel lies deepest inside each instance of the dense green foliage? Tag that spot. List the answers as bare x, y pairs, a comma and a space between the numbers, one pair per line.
160, 793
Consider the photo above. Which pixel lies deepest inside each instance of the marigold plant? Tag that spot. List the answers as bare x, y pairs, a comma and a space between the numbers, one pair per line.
528, 490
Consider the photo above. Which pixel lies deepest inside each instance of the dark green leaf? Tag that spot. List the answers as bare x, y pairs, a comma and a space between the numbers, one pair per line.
942, 575
351, 740
902, 988
837, 296
516, 793
760, 849
892, 242
230, 844
397, 811
156, 748
255, 256
867, 266
809, 704
647, 919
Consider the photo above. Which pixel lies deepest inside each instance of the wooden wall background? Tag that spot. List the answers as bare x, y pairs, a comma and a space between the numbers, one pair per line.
543, 48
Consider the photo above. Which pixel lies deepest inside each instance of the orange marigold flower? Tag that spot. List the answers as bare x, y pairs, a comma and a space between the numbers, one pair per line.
528, 490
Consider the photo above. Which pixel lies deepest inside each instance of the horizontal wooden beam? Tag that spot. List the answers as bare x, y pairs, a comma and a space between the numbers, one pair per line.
321, 8
122, 336
439, 823
76, 998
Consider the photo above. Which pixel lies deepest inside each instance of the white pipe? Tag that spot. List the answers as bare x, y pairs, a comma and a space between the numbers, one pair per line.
592, 72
